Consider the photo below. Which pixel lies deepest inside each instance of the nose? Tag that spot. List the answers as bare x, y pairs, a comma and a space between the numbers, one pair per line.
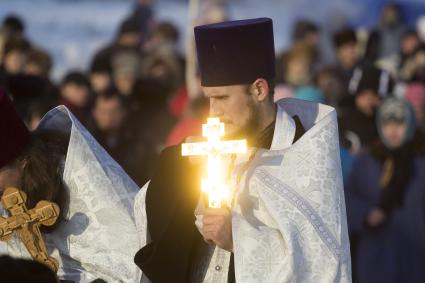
215, 109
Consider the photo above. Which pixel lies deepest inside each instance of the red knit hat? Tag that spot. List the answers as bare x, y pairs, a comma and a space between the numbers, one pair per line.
14, 135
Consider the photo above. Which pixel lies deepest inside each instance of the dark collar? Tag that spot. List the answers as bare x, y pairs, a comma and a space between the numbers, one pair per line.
265, 138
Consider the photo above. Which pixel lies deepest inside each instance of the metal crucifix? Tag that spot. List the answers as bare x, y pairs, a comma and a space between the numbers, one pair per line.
214, 148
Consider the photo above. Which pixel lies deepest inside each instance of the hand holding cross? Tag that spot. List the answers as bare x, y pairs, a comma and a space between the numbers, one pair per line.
214, 148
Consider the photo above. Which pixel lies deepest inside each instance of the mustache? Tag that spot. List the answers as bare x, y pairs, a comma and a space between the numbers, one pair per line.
226, 121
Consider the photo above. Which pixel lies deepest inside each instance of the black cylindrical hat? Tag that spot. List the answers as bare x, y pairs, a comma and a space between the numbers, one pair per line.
235, 52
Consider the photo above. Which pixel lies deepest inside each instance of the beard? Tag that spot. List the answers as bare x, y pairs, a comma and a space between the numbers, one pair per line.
251, 126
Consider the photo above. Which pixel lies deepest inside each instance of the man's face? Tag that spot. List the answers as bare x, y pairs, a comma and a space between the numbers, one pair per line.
14, 61
33, 69
390, 16
100, 81
76, 94
312, 39
109, 114
409, 44
236, 107
298, 71
347, 55
367, 101
129, 39
124, 83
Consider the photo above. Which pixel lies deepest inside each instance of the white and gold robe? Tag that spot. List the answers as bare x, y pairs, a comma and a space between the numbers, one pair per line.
98, 237
289, 218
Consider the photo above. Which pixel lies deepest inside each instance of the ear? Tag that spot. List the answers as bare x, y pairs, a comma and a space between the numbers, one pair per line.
260, 89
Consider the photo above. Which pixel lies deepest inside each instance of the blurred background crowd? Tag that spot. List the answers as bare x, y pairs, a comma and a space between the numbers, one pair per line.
141, 93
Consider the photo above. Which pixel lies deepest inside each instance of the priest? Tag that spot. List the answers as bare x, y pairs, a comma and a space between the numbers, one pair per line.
285, 220
95, 236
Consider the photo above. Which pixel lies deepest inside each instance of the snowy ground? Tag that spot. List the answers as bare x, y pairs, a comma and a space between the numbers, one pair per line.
73, 29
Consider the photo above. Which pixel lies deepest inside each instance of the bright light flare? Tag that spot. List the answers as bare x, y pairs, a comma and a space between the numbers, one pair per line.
214, 148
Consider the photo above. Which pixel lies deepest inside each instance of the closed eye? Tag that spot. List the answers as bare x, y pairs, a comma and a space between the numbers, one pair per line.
221, 97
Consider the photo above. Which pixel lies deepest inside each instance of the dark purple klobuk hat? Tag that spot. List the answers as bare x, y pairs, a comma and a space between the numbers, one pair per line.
14, 135
235, 52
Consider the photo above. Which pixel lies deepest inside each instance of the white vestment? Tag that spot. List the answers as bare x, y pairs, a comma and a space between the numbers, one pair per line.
289, 218
98, 238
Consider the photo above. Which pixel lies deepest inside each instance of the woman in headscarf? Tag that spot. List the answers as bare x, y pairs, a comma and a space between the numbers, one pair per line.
385, 196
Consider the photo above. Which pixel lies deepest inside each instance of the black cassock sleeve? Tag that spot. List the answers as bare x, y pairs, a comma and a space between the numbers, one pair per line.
171, 198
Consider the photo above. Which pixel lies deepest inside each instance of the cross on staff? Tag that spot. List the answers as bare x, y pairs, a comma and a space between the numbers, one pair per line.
214, 148
26, 223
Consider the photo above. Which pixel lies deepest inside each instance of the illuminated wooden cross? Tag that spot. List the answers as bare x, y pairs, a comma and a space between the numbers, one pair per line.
214, 148
26, 224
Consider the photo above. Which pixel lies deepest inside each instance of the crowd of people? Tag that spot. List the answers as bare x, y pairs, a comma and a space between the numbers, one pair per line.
135, 100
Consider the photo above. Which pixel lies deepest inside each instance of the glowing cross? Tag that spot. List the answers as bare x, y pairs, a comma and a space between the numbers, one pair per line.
26, 223
214, 148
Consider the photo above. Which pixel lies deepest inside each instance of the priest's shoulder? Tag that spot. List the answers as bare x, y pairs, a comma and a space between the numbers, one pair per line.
291, 103
171, 153
171, 161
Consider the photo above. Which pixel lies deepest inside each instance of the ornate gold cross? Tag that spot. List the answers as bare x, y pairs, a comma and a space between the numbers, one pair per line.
214, 148
26, 223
